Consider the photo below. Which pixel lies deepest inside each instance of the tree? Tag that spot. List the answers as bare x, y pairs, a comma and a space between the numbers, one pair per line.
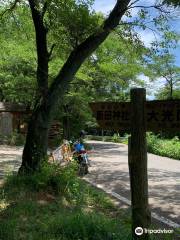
174, 3
162, 63
84, 31
104, 76
35, 149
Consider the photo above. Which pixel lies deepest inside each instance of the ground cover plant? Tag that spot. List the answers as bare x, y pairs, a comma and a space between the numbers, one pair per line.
163, 147
56, 204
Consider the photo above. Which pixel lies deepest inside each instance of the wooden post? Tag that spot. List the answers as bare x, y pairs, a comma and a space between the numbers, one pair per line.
138, 164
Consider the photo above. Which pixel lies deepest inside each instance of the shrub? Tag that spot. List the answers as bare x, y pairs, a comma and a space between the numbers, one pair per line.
52, 178
163, 147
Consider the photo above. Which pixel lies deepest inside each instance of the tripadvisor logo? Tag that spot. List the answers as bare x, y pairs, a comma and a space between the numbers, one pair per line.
139, 231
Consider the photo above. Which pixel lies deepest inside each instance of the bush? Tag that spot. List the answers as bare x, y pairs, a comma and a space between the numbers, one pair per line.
163, 147
52, 178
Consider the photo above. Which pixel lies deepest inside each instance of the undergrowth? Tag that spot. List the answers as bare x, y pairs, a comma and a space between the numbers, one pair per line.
163, 147
55, 204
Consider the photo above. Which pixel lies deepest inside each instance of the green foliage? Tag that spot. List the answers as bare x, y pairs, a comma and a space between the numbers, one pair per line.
163, 147
71, 21
51, 178
105, 76
17, 63
116, 138
55, 204
162, 64
174, 3
15, 139
163, 94
95, 228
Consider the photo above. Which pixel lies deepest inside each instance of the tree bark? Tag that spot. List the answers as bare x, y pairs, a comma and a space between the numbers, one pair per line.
171, 90
35, 149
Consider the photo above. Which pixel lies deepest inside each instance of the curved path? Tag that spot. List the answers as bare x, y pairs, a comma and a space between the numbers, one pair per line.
109, 171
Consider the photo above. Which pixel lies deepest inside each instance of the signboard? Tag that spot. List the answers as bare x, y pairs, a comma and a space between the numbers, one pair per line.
161, 115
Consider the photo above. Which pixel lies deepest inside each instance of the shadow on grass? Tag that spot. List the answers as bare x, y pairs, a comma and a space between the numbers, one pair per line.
55, 204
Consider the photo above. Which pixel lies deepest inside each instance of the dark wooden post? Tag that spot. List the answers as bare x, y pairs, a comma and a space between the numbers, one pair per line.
138, 164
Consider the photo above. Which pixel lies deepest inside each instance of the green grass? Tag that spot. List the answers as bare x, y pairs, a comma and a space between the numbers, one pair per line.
163, 147
55, 204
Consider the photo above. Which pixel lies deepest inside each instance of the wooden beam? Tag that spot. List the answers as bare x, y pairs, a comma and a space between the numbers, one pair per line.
12, 107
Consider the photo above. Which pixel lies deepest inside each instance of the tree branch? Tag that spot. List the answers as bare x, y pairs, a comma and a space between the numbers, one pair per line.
44, 9
11, 8
41, 45
158, 7
50, 52
78, 55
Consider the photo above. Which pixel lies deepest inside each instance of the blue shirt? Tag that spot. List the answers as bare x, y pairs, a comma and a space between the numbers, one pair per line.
79, 147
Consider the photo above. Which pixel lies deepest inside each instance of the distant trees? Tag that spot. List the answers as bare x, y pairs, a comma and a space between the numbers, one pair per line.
162, 64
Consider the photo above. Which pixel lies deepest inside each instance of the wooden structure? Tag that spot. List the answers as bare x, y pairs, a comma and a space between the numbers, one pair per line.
160, 115
13, 118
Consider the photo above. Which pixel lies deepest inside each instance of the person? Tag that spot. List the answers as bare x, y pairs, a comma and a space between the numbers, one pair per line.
66, 151
79, 146
80, 149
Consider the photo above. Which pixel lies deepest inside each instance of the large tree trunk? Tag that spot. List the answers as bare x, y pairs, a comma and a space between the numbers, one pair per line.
35, 150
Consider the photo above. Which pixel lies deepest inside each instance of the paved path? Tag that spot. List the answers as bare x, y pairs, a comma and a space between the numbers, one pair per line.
110, 171
10, 159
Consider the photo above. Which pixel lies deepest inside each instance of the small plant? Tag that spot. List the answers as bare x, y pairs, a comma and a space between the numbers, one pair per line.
116, 137
15, 139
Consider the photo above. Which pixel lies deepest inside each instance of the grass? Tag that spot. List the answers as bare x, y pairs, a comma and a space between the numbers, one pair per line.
56, 205
163, 147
